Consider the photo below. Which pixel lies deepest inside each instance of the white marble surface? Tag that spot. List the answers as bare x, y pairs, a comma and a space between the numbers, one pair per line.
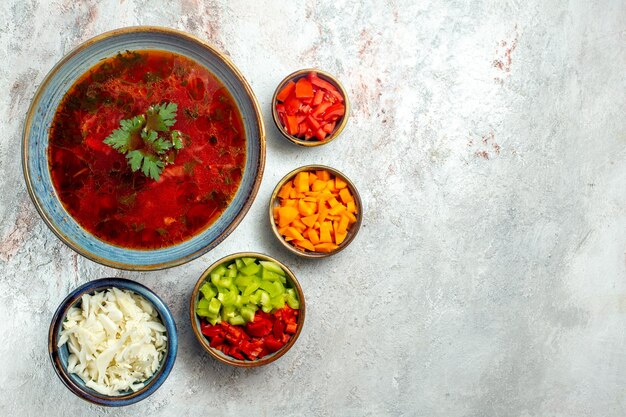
488, 141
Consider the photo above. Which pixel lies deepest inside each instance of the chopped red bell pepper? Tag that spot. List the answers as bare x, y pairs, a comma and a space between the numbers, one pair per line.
334, 111
287, 89
304, 88
272, 344
319, 96
265, 334
314, 101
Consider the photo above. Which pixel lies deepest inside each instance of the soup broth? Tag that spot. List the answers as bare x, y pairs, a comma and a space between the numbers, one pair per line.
94, 181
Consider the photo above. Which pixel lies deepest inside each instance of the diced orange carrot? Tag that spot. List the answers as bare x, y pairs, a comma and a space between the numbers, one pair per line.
301, 227
309, 220
316, 209
323, 175
340, 237
351, 216
340, 184
325, 247
314, 237
286, 215
305, 209
318, 185
302, 182
285, 190
325, 232
293, 233
345, 196
305, 244
339, 208
343, 224
322, 211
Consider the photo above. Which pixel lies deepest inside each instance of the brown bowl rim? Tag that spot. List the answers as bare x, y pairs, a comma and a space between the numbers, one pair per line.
232, 361
327, 77
352, 231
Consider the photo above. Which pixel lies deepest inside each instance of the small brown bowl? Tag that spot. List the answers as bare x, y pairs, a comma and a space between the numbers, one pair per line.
352, 231
217, 354
341, 123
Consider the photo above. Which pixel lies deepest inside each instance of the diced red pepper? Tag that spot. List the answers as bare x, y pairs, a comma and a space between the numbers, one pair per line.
315, 125
291, 328
216, 341
320, 134
304, 88
336, 94
319, 96
241, 342
272, 344
334, 111
315, 102
292, 105
329, 127
317, 81
236, 353
279, 329
259, 327
287, 89
302, 127
319, 111
210, 331
292, 124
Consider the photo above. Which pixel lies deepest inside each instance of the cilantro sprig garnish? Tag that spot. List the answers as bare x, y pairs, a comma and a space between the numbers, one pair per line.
147, 141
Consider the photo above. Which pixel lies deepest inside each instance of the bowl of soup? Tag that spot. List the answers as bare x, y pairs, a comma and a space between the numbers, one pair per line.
143, 148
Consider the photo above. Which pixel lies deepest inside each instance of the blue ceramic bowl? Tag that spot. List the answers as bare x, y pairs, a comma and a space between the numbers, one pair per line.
42, 111
59, 356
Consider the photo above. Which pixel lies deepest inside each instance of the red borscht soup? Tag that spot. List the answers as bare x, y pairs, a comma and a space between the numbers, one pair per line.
95, 182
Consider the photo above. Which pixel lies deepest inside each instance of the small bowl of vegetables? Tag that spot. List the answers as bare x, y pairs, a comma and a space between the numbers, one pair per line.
112, 342
310, 107
247, 309
315, 211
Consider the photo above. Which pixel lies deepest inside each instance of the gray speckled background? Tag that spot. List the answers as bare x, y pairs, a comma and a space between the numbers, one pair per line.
488, 141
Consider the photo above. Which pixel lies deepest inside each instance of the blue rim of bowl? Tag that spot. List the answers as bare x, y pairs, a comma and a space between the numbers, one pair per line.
217, 354
156, 380
49, 221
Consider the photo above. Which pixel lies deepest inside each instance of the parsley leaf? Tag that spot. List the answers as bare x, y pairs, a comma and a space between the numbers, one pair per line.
152, 166
161, 116
147, 141
176, 139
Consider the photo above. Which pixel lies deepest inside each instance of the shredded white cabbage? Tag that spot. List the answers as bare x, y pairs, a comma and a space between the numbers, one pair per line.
115, 339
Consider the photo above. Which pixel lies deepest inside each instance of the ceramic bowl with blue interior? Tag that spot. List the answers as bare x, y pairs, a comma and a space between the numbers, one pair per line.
43, 109
59, 356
